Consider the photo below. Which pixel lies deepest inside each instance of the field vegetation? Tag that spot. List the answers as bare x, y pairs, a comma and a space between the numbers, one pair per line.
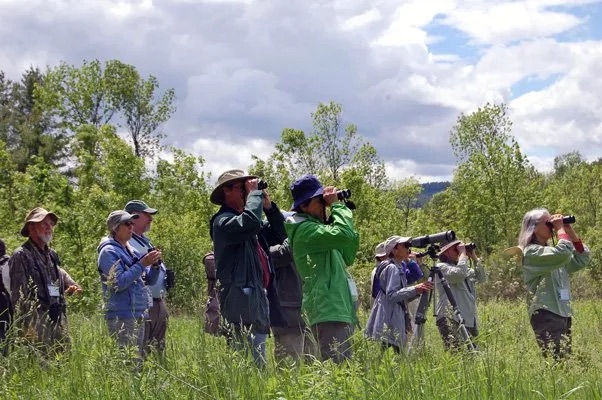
507, 366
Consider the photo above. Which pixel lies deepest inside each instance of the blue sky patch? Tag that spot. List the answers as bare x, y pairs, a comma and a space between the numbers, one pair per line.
448, 40
532, 83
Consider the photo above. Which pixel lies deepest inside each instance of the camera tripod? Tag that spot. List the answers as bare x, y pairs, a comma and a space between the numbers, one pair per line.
425, 299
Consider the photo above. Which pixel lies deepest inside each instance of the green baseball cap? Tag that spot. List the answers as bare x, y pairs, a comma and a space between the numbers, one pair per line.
140, 206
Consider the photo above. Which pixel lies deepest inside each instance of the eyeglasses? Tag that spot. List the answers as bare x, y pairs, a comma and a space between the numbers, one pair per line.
128, 223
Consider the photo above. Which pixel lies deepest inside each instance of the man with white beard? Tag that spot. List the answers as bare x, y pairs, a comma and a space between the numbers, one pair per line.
38, 285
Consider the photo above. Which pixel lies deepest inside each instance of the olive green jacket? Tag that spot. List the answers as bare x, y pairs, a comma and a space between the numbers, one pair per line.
546, 272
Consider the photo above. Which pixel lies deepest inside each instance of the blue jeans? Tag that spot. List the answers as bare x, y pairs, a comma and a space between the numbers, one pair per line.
244, 340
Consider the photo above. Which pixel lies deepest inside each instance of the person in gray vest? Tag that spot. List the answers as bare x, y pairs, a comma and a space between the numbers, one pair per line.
156, 324
454, 262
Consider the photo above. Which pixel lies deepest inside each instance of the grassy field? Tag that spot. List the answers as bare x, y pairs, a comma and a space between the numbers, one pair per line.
198, 366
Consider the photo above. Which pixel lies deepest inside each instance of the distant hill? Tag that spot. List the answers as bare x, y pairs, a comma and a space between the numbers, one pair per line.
429, 190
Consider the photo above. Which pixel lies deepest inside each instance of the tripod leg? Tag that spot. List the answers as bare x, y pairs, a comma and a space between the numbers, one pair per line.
420, 318
452, 301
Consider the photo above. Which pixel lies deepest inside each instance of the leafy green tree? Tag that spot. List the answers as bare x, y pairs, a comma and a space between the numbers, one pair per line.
494, 182
406, 194
27, 129
565, 162
114, 92
274, 172
575, 187
181, 227
326, 151
296, 152
367, 162
7, 189
144, 115
88, 95
337, 145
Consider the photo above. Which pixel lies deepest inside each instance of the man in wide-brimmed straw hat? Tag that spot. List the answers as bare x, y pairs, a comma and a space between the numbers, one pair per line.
455, 263
242, 258
38, 284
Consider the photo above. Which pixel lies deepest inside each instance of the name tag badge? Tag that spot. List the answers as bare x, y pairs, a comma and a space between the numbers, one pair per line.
53, 291
564, 294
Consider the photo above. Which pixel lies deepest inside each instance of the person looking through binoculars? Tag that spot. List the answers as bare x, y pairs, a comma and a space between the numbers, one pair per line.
322, 249
247, 293
389, 320
454, 262
546, 272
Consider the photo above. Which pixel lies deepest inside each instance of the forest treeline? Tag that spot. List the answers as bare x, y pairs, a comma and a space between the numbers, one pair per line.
60, 149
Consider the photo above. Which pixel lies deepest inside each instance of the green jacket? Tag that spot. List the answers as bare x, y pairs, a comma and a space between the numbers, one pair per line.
546, 272
322, 253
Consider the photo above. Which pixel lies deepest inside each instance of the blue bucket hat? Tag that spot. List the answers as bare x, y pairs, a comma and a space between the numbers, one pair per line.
305, 188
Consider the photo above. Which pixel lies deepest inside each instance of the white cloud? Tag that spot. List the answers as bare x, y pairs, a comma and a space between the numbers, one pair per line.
509, 21
406, 26
358, 21
565, 115
404, 169
221, 155
244, 70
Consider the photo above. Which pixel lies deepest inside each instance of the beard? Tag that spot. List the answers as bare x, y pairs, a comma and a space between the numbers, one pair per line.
46, 238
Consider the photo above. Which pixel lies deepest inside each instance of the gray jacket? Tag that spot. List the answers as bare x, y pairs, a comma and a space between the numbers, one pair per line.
461, 279
386, 322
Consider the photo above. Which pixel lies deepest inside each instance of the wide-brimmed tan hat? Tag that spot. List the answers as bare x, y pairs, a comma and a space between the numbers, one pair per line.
448, 246
37, 215
217, 196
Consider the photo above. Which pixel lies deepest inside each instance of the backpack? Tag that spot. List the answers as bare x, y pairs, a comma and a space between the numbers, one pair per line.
376, 282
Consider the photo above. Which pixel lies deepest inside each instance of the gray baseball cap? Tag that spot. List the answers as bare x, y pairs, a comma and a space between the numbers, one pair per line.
118, 217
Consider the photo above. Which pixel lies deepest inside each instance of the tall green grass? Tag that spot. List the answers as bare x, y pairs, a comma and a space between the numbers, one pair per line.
198, 366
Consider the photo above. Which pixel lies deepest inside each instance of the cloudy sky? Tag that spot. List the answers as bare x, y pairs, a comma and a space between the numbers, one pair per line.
403, 70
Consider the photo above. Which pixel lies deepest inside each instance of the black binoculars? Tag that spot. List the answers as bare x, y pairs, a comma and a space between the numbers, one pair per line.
567, 219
